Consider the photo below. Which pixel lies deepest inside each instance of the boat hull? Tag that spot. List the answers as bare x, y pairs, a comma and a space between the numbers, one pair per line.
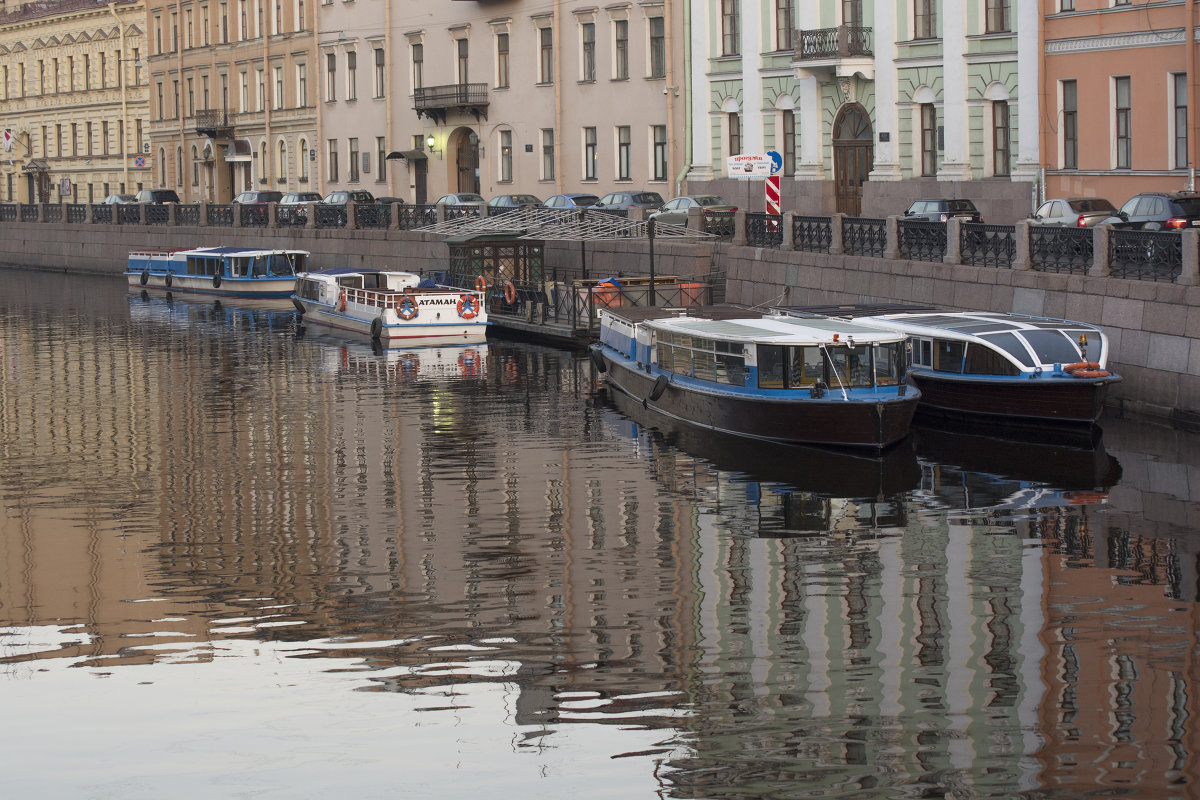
203, 285
1045, 400
448, 329
829, 421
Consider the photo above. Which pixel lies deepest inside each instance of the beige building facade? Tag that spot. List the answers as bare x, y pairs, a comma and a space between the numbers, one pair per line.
72, 101
232, 104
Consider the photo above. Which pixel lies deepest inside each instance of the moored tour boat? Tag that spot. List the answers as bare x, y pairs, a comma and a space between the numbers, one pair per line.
218, 271
817, 381
391, 307
1011, 368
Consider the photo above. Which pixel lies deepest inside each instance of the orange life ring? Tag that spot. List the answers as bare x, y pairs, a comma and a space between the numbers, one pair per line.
342, 300
510, 293
409, 307
481, 284
1090, 373
1080, 365
468, 306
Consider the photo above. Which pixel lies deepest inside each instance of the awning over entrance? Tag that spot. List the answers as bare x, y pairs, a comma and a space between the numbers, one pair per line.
239, 150
407, 155
36, 165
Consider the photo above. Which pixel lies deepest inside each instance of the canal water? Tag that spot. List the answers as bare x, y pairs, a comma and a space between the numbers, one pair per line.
241, 559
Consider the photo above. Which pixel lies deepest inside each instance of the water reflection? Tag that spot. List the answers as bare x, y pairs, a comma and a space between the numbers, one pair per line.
327, 567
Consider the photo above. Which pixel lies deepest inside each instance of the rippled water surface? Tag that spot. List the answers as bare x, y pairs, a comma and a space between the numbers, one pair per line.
240, 561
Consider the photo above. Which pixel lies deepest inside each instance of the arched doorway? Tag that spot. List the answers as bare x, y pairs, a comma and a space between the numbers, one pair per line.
466, 159
853, 156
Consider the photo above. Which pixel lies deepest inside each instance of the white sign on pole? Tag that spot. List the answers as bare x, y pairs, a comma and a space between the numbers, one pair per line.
748, 166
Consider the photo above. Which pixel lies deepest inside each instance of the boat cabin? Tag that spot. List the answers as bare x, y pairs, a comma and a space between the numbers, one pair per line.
235, 262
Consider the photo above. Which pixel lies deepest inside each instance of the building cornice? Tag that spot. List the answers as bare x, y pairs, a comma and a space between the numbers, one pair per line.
1116, 41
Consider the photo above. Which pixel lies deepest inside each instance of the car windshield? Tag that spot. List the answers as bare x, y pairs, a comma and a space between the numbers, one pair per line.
649, 198
470, 198
269, 197
1085, 205
710, 200
586, 199
362, 197
1189, 206
525, 199
960, 205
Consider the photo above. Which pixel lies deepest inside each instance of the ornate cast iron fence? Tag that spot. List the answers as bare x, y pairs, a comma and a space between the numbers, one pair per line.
101, 214
863, 236
252, 216
813, 234
291, 216
29, 213
331, 215
1145, 255
77, 212
220, 215
921, 240
9, 212
718, 223
416, 216
52, 212
1068, 250
129, 214
187, 214
987, 245
157, 214
764, 230
367, 215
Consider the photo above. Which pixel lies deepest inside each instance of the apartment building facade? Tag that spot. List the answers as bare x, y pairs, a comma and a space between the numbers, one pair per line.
232, 107
73, 100
1118, 115
870, 105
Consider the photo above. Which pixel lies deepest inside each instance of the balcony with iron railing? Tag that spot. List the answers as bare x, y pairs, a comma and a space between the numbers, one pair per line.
215, 123
436, 101
845, 49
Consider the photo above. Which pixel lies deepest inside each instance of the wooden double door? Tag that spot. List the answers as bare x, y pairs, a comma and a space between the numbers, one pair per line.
853, 157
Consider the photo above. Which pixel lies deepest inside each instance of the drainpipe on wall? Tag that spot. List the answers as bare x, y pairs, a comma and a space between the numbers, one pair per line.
1191, 85
124, 97
687, 95
560, 141
268, 88
387, 103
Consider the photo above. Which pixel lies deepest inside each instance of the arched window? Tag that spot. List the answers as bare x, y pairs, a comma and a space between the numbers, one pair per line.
282, 160
195, 167
264, 157
179, 166
302, 163
162, 166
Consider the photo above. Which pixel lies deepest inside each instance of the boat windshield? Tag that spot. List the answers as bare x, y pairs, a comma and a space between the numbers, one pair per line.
1052, 347
1009, 343
852, 365
281, 264
888, 367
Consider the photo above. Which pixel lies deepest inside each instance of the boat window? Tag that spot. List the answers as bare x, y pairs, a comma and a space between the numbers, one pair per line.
922, 352
704, 365
1052, 347
770, 366
807, 366
947, 355
731, 370
260, 267
852, 365
1010, 344
888, 367
281, 264
982, 360
241, 267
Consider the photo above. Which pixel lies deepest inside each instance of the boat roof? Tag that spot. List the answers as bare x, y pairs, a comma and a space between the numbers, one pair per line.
747, 325
932, 319
334, 272
237, 251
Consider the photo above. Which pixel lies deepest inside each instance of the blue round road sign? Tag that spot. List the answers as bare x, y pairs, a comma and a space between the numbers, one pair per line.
776, 161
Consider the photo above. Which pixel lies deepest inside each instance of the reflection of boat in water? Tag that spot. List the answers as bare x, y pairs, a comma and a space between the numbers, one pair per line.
787, 489
406, 364
966, 469
230, 313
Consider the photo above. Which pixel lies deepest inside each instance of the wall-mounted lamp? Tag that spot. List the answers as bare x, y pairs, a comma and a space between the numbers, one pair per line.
430, 141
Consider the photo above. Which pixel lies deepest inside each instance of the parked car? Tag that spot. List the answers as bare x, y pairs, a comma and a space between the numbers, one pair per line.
675, 212
623, 201
571, 200
258, 198
1073, 212
461, 199
507, 202
296, 198
120, 199
942, 209
1156, 211
157, 196
387, 201
340, 197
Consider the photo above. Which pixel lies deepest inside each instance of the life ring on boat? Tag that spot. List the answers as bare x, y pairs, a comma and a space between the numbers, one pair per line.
409, 307
296, 302
468, 306
1080, 365
216, 281
377, 328
510, 293
342, 301
1090, 373
481, 284
169, 274
145, 277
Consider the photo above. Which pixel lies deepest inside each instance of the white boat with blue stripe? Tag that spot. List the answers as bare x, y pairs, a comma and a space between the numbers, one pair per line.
218, 271
394, 308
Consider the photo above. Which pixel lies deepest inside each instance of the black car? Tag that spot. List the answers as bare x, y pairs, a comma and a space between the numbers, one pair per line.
942, 209
1158, 211
157, 196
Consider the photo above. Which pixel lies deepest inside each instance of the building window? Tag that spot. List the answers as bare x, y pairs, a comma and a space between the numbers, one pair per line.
659, 133
162, 166
418, 66
301, 85
260, 103
354, 160
282, 161
506, 157
277, 100
1070, 126
658, 47
789, 143
621, 49
245, 92
331, 77
502, 61
195, 167
1067, 5
160, 100
1001, 149
928, 139
624, 154
730, 11
1179, 86
351, 75
178, 165
264, 160
1123, 122
587, 69
191, 95
380, 72
88, 129
104, 140
175, 96
783, 24
924, 19
302, 157
380, 159
735, 134
300, 20
589, 154
224, 23
546, 66
463, 62
547, 154
333, 165
998, 16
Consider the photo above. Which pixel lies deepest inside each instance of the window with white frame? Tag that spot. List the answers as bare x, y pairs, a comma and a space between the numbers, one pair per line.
998, 16
277, 100
587, 52
244, 94
730, 13
418, 65
195, 166
924, 19
463, 65
501, 60
1070, 125
624, 153
380, 159
788, 148
658, 47
380, 72
333, 161
261, 87
658, 138
589, 154
1001, 149
620, 49
351, 75
506, 157
264, 158
353, 161
547, 154
1122, 122
302, 160
1179, 120
928, 140
282, 164
301, 86
330, 77
735, 133
546, 55
783, 25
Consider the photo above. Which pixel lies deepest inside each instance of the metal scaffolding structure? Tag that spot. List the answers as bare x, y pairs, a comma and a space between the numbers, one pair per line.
564, 224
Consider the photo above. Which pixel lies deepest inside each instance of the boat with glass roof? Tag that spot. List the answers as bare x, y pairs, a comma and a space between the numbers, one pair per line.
1015, 368
775, 377
222, 272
